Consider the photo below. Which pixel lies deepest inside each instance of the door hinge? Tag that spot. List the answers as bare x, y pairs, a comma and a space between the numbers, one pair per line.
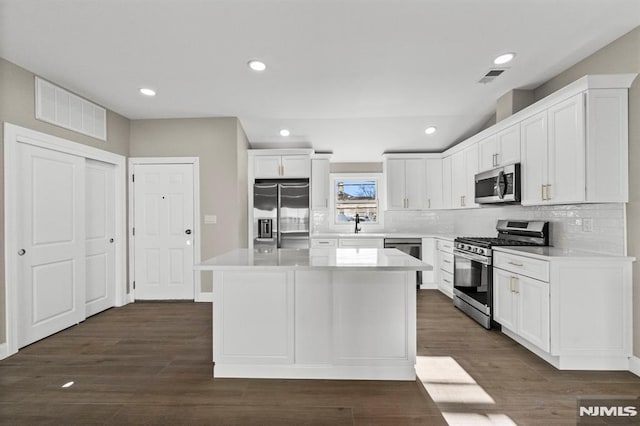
134, 285
133, 178
134, 231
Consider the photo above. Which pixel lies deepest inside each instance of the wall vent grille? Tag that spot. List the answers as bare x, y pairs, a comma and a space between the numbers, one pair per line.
491, 75
58, 106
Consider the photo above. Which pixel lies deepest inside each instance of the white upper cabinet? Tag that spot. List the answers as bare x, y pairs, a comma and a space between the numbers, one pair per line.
281, 166
464, 166
500, 149
534, 159
447, 184
406, 182
607, 147
320, 185
576, 151
434, 198
458, 176
509, 146
553, 154
488, 149
566, 152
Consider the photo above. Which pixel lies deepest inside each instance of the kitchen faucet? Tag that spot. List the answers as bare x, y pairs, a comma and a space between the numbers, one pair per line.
358, 229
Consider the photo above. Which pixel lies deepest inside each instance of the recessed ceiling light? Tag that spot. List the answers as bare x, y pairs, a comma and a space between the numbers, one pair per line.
503, 59
430, 130
284, 132
257, 65
147, 92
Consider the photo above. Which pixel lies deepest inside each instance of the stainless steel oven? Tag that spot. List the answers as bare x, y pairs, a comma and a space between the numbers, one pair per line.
473, 285
472, 264
501, 185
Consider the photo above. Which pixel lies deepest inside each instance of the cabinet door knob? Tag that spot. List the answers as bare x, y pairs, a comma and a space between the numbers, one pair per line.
188, 232
111, 240
21, 252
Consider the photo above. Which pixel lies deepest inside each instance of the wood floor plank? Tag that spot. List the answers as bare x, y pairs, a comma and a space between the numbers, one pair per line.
150, 363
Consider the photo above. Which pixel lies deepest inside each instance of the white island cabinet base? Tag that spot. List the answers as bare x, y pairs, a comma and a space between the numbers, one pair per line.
314, 324
310, 322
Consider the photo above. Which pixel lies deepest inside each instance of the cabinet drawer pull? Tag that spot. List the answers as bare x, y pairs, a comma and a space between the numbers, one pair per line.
446, 281
446, 261
513, 288
515, 264
323, 242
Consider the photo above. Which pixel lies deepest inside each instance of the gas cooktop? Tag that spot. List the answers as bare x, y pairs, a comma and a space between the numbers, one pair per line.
493, 241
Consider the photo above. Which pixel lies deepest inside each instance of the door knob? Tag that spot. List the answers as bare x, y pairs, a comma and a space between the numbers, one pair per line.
188, 231
21, 252
111, 240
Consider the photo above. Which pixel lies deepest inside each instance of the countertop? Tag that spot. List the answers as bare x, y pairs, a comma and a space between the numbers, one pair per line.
381, 235
315, 258
550, 253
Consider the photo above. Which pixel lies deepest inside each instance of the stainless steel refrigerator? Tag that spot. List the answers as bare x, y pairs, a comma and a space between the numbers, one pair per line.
281, 214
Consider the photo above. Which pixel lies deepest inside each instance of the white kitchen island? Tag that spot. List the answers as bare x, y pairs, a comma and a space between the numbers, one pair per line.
336, 313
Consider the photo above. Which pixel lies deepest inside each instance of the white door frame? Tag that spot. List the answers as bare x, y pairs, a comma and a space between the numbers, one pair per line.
12, 136
195, 161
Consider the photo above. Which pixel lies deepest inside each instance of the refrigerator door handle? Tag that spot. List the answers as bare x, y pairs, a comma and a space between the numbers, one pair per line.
278, 216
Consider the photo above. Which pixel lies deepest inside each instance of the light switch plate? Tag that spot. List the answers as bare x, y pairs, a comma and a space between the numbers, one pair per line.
210, 218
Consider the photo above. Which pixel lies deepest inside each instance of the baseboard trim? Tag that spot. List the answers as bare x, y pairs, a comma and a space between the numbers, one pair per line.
204, 297
325, 372
4, 351
634, 365
429, 286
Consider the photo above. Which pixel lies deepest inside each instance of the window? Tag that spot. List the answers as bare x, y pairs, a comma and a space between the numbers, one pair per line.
355, 195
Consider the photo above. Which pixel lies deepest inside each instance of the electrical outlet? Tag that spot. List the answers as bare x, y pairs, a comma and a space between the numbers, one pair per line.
210, 219
587, 224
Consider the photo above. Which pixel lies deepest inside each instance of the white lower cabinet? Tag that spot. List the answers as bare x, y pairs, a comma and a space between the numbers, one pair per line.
429, 256
444, 266
572, 311
521, 304
323, 242
361, 242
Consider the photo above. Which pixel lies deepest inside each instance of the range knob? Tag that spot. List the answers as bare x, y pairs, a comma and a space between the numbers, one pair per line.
480, 251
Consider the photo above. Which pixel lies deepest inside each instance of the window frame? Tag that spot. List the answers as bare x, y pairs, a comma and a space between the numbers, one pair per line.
350, 226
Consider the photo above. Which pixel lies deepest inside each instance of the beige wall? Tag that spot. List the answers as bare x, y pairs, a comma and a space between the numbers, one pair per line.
17, 106
221, 146
243, 187
356, 167
621, 56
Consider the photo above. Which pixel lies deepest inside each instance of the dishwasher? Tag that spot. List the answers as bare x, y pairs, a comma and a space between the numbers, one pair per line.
411, 246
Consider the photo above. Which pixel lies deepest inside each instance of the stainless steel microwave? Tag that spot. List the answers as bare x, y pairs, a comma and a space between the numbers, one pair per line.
500, 185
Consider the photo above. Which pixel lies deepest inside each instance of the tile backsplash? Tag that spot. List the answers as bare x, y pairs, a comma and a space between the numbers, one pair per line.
427, 222
592, 227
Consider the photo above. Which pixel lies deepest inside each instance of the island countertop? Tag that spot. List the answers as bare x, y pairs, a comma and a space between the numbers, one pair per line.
315, 259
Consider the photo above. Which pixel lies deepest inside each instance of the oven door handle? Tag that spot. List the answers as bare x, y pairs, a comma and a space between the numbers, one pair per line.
472, 257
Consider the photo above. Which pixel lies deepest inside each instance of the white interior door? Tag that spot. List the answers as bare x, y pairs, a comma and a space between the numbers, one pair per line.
163, 222
51, 242
100, 231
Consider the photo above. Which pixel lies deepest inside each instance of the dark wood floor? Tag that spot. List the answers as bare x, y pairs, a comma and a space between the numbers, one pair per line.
150, 363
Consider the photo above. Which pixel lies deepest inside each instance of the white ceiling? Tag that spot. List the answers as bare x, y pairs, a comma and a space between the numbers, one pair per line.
356, 77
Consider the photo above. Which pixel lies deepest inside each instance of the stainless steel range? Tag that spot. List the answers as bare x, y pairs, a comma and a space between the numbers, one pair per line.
473, 271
